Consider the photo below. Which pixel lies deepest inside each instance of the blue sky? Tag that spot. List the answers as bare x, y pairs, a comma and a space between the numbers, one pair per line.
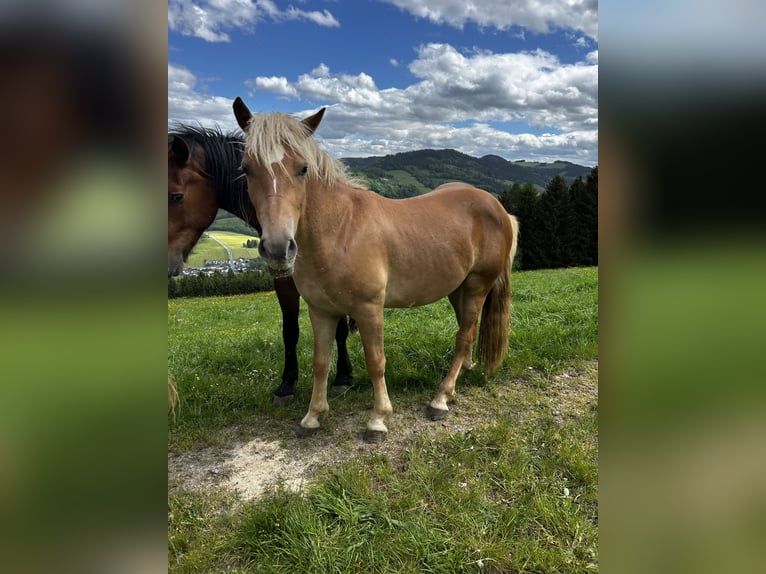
518, 79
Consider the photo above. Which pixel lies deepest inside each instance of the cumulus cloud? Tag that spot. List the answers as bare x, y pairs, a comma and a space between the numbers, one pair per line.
559, 102
532, 86
541, 17
187, 102
465, 101
359, 90
210, 19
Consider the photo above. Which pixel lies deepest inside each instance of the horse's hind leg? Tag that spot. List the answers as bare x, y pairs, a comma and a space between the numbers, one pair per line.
343, 371
467, 301
289, 303
456, 299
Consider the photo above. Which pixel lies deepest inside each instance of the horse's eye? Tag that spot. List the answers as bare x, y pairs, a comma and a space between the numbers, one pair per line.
243, 168
303, 170
174, 198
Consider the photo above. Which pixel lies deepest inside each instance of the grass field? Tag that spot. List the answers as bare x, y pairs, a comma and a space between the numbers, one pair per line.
207, 248
508, 483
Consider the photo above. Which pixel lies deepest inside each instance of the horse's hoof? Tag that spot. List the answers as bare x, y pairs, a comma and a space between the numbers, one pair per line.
436, 414
303, 432
374, 436
283, 401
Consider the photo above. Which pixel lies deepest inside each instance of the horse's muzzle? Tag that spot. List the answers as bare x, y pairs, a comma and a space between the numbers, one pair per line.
175, 263
279, 255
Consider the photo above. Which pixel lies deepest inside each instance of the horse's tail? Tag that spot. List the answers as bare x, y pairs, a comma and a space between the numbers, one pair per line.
496, 313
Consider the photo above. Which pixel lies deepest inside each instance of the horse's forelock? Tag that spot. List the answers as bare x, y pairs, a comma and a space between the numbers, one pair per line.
268, 136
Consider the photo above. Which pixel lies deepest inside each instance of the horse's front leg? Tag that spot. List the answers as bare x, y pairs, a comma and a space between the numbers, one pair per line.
371, 331
343, 371
289, 303
324, 325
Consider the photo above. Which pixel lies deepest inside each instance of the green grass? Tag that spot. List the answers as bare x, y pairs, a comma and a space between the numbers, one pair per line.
235, 241
517, 493
207, 248
487, 497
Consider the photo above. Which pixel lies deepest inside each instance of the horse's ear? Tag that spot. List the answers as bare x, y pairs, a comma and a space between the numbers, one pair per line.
178, 149
242, 113
312, 122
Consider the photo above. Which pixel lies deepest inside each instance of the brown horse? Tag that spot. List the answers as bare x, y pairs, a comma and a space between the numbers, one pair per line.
354, 252
203, 176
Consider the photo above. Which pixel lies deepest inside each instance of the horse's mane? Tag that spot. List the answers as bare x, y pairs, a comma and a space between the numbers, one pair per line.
223, 158
269, 134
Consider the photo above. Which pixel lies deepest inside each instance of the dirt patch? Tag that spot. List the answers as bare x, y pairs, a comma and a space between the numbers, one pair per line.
252, 467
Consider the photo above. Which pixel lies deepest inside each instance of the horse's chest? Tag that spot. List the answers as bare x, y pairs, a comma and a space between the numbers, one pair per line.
317, 290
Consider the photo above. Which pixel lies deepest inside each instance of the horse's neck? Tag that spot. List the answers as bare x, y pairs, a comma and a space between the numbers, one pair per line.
325, 209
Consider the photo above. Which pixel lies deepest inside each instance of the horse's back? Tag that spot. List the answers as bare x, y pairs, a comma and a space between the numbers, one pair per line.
464, 199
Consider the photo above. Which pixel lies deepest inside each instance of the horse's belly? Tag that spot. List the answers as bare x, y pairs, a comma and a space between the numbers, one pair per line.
418, 291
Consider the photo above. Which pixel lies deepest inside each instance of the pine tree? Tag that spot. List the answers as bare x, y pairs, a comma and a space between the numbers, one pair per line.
591, 187
584, 196
581, 224
556, 225
507, 197
524, 203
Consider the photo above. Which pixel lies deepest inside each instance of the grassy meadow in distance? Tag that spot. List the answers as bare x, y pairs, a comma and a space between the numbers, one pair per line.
208, 248
514, 491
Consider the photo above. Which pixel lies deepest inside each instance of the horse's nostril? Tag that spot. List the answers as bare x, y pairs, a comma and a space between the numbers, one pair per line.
292, 249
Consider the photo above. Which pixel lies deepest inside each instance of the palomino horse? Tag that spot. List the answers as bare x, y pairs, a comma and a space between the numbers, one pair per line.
204, 175
354, 252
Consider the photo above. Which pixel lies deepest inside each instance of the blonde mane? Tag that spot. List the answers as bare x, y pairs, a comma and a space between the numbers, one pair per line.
268, 135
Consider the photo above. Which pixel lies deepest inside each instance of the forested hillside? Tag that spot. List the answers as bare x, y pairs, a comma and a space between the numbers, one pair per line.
225, 221
417, 172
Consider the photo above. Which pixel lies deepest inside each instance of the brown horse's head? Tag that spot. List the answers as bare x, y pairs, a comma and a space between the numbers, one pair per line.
192, 202
280, 158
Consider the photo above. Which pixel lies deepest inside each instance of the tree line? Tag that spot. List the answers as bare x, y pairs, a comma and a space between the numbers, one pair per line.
229, 283
559, 227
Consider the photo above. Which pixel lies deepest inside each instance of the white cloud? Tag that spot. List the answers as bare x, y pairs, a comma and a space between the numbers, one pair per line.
275, 85
477, 89
351, 90
210, 19
323, 18
534, 15
530, 86
187, 103
464, 101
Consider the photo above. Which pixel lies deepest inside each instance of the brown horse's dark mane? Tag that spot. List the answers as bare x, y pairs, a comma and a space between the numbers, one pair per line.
223, 157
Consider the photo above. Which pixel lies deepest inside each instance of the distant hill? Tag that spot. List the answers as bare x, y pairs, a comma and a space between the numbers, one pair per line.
225, 221
416, 172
